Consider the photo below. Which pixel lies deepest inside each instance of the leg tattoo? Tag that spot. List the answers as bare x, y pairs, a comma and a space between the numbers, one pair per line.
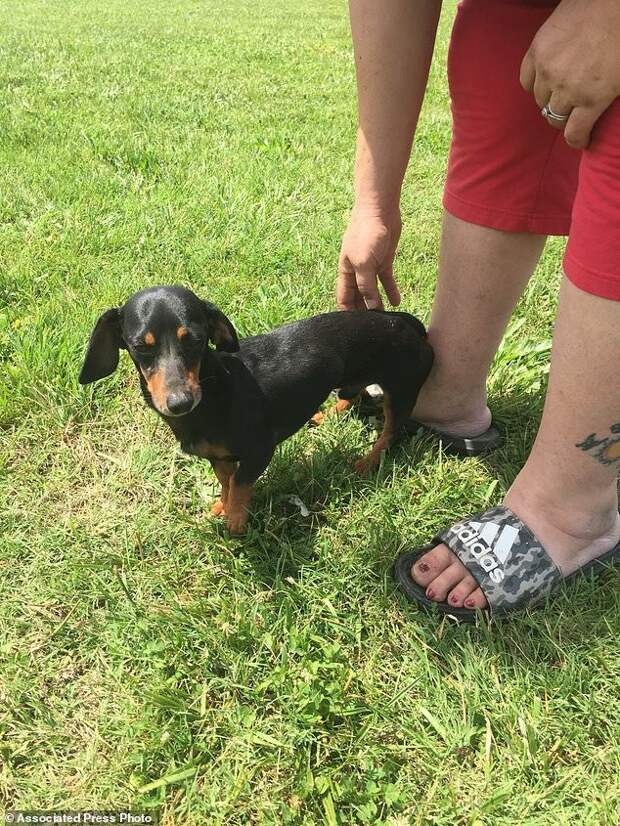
605, 450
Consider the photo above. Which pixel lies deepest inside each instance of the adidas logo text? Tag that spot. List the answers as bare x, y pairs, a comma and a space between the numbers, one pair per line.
484, 554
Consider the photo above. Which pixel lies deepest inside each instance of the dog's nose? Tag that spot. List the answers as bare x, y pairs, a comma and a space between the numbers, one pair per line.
180, 403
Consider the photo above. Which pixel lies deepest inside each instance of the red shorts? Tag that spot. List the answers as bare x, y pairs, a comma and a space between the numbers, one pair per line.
508, 168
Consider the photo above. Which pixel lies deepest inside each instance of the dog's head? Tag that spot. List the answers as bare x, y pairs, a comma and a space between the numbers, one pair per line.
167, 331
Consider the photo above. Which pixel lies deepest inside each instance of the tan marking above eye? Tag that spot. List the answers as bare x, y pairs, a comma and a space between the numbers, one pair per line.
149, 339
182, 332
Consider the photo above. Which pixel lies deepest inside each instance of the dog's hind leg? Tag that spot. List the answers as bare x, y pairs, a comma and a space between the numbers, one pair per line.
340, 407
347, 397
399, 397
370, 461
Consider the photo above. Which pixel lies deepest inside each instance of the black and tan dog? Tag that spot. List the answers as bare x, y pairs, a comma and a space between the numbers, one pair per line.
233, 404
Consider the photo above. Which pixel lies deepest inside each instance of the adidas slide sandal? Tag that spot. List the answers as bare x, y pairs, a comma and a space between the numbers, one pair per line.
505, 558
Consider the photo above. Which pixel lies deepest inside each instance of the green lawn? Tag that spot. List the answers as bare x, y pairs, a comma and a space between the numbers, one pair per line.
147, 658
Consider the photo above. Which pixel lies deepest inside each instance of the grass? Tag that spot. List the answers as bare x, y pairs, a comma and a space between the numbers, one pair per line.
147, 658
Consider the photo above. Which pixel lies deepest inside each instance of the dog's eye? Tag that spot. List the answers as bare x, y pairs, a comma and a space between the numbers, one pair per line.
192, 344
145, 352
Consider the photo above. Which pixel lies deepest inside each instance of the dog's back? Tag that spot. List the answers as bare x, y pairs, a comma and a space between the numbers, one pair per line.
299, 364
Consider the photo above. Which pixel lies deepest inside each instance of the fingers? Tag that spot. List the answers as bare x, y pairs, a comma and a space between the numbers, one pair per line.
582, 112
368, 288
527, 75
357, 290
581, 119
578, 128
347, 296
366, 262
386, 277
559, 105
542, 91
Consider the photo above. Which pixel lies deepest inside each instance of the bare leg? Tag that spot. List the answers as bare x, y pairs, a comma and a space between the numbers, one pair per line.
567, 491
482, 273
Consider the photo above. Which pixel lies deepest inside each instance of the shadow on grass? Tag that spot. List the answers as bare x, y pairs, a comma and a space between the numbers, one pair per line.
324, 479
281, 539
516, 412
325, 482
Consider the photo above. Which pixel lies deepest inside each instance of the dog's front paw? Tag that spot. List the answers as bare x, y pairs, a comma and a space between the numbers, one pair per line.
317, 419
218, 508
365, 466
361, 467
237, 524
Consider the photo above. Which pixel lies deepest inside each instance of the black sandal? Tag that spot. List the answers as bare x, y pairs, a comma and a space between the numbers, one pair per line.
371, 406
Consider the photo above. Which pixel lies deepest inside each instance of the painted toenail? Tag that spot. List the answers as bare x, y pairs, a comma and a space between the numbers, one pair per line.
430, 593
454, 600
423, 567
470, 603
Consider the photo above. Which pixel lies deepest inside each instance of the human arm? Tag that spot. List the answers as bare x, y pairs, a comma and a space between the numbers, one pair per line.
393, 44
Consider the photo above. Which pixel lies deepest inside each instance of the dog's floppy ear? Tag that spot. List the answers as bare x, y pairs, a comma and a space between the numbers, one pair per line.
221, 331
102, 354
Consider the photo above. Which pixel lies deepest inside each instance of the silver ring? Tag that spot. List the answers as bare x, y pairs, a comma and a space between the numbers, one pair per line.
547, 112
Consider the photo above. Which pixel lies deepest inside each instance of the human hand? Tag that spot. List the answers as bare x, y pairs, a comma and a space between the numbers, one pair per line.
573, 65
366, 257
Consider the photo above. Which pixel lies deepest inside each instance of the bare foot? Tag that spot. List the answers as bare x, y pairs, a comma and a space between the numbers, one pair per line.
440, 407
572, 533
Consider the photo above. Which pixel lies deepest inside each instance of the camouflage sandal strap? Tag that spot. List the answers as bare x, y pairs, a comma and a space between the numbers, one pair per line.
504, 557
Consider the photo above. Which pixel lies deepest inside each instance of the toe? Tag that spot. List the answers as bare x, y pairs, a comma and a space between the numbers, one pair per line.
476, 599
431, 565
439, 588
462, 591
